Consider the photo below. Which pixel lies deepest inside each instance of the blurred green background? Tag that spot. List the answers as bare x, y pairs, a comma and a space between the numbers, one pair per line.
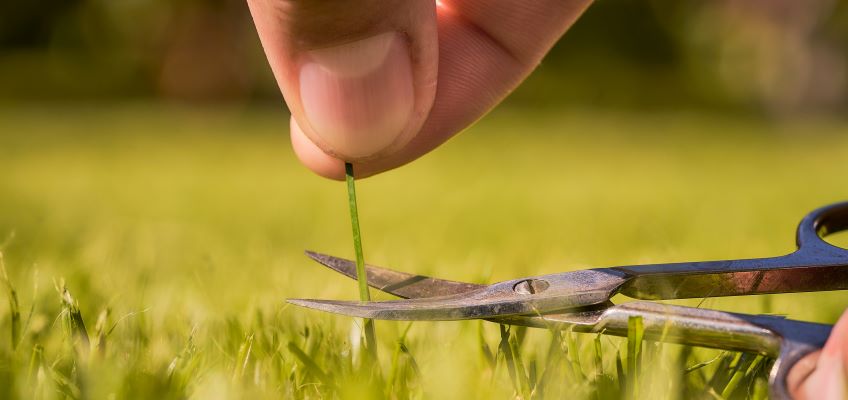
766, 56
144, 160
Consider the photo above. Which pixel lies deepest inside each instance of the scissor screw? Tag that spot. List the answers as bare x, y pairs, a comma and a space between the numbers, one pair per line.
531, 286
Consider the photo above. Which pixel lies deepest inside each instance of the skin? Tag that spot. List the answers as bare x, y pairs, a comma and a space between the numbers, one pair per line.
466, 56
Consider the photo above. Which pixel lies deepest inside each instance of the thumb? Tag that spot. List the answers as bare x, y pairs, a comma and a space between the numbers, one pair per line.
823, 374
359, 77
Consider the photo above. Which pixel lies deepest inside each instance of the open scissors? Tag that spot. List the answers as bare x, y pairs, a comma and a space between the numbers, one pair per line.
580, 299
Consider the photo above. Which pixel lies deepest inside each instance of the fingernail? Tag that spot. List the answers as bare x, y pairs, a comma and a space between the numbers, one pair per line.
358, 97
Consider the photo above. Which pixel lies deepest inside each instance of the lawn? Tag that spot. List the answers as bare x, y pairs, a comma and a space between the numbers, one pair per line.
175, 234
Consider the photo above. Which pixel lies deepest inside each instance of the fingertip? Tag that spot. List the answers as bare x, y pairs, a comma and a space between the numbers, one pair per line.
358, 77
837, 344
311, 156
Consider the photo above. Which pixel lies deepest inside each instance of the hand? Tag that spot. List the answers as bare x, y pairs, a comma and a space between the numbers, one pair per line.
382, 82
822, 375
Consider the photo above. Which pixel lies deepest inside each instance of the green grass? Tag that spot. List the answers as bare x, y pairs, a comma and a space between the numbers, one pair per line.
361, 275
149, 250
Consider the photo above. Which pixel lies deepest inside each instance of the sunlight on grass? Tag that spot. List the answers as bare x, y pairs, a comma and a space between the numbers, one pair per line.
149, 250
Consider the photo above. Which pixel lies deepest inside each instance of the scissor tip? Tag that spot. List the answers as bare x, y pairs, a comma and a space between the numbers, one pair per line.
321, 258
312, 254
300, 302
314, 304
353, 309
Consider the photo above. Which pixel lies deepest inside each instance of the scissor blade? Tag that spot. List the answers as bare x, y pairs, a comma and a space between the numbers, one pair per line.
397, 283
527, 296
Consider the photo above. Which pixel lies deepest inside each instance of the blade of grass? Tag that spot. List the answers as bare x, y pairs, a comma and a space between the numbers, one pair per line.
599, 361
739, 373
721, 374
567, 362
72, 317
243, 357
361, 277
31, 306
393, 372
554, 356
310, 365
34, 361
574, 355
506, 350
14, 307
100, 331
484, 347
650, 356
635, 331
760, 389
622, 378
757, 369
703, 364
520, 370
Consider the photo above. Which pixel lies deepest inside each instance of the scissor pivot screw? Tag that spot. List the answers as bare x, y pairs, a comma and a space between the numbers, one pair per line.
531, 286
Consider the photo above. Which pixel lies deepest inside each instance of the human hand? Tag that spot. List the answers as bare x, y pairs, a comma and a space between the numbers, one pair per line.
382, 82
822, 375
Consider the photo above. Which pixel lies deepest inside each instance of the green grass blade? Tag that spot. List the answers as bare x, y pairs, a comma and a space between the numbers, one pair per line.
243, 357
395, 366
622, 377
524, 386
760, 389
599, 360
34, 361
14, 306
722, 373
310, 365
506, 350
551, 369
484, 347
702, 364
574, 355
72, 317
635, 332
743, 370
361, 277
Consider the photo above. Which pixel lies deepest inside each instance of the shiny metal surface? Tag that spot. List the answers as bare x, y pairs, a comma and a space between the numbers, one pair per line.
565, 291
787, 340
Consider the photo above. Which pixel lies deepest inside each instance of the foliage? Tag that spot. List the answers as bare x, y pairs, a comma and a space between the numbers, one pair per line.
148, 251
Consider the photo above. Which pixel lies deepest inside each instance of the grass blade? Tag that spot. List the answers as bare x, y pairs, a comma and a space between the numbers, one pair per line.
574, 355
599, 361
760, 389
243, 357
622, 378
72, 317
14, 307
523, 381
310, 365
484, 348
740, 373
361, 277
506, 350
635, 332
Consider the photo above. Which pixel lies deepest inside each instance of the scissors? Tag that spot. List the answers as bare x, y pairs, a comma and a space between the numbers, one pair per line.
580, 299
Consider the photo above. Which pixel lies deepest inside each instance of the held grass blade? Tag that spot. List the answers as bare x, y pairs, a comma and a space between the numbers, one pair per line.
364, 295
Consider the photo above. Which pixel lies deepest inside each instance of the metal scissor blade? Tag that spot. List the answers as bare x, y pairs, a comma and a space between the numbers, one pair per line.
789, 340
397, 283
526, 296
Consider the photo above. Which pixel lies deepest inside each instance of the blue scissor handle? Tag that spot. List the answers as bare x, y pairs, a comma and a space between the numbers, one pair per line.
817, 225
815, 266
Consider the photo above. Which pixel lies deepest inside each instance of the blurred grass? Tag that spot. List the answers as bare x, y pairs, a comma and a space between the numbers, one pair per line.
183, 229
